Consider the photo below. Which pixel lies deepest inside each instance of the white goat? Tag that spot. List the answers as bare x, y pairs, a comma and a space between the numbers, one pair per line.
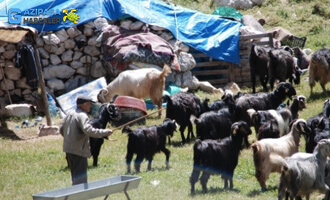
302, 173
140, 83
45, 130
284, 146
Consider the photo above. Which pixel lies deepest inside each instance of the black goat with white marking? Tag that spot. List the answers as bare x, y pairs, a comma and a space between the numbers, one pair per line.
180, 107
219, 157
107, 112
145, 142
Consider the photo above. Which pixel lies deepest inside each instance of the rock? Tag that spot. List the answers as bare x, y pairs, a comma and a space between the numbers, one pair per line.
51, 39
10, 84
45, 62
54, 59
62, 35
77, 55
55, 84
73, 32
60, 71
92, 41
91, 50
82, 71
67, 56
100, 23
136, 26
69, 44
97, 70
166, 36
19, 110
60, 49
43, 53
157, 28
9, 63
9, 54
53, 48
125, 24
89, 25
2, 49
27, 91
13, 73
10, 47
76, 64
75, 82
88, 31
21, 83
40, 42
186, 61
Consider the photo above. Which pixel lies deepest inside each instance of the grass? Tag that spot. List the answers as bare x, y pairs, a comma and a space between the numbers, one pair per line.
31, 166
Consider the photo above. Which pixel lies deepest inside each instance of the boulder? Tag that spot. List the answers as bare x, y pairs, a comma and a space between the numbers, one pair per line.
13, 73
62, 35
54, 59
91, 50
97, 70
55, 84
60, 71
67, 56
51, 39
19, 110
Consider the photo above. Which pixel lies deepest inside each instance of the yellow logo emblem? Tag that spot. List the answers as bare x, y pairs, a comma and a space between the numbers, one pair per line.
71, 16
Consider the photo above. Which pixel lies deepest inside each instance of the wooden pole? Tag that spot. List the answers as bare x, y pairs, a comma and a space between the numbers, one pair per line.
42, 86
135, 120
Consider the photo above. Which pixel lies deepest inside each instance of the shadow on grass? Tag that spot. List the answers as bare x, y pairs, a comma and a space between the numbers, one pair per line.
320, 95
254, 193
5, 132
214, 190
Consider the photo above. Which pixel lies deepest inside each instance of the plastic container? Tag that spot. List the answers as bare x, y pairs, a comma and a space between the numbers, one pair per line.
51, 106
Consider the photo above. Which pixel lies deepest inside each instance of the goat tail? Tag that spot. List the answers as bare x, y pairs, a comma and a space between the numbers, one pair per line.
126, 129
193, 119
166, 71
312, 71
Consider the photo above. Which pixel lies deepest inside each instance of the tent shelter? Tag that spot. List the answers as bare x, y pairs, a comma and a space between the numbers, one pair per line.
214, 36
15, 34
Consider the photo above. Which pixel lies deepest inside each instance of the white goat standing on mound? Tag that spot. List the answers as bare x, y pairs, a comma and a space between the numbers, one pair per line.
139, 83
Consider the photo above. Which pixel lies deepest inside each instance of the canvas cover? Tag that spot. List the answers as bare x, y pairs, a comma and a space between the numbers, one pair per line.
214, 36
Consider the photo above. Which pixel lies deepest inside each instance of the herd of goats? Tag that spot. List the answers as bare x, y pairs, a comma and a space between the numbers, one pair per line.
222, 130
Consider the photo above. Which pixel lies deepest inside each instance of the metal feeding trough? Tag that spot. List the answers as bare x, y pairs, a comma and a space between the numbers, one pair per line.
93, 189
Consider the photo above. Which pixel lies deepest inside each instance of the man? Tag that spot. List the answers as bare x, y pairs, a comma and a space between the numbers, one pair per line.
76, 132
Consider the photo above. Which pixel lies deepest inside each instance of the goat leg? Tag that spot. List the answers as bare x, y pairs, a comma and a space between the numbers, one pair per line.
204, 178
167, 154
128, 162
193, 179
149, 164
182, 128
137, 163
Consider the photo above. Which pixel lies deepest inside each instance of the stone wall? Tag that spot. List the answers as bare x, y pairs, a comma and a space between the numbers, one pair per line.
70, 58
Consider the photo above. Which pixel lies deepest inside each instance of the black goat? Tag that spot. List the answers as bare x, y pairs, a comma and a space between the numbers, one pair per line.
268, 129
107, 112
259, 66
219, 157
263, 101
180, 107
145, 142
216, 124
320, 127
282, 67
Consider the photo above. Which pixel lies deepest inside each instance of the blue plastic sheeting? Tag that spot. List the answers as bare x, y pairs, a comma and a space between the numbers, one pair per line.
214, 36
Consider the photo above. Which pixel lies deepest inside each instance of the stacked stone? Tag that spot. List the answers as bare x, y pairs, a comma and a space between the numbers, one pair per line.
72, 57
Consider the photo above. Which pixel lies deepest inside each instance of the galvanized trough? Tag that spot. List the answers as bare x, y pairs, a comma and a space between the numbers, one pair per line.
92, 189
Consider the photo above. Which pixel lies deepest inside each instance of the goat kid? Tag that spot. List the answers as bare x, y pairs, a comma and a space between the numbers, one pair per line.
218, 157
145, 142
107, 112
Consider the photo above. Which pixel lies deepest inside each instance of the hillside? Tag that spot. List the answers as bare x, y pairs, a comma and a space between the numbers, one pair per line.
301, 17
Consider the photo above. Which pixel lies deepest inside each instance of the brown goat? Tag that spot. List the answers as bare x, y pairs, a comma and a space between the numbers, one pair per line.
140, 83
319, 68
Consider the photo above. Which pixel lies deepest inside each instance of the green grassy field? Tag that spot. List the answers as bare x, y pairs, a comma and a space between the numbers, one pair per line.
30, 166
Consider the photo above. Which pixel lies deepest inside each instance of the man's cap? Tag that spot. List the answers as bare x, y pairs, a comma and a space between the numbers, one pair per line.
84, 99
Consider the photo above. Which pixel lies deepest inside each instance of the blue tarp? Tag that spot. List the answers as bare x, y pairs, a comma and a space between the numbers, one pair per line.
209, 34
